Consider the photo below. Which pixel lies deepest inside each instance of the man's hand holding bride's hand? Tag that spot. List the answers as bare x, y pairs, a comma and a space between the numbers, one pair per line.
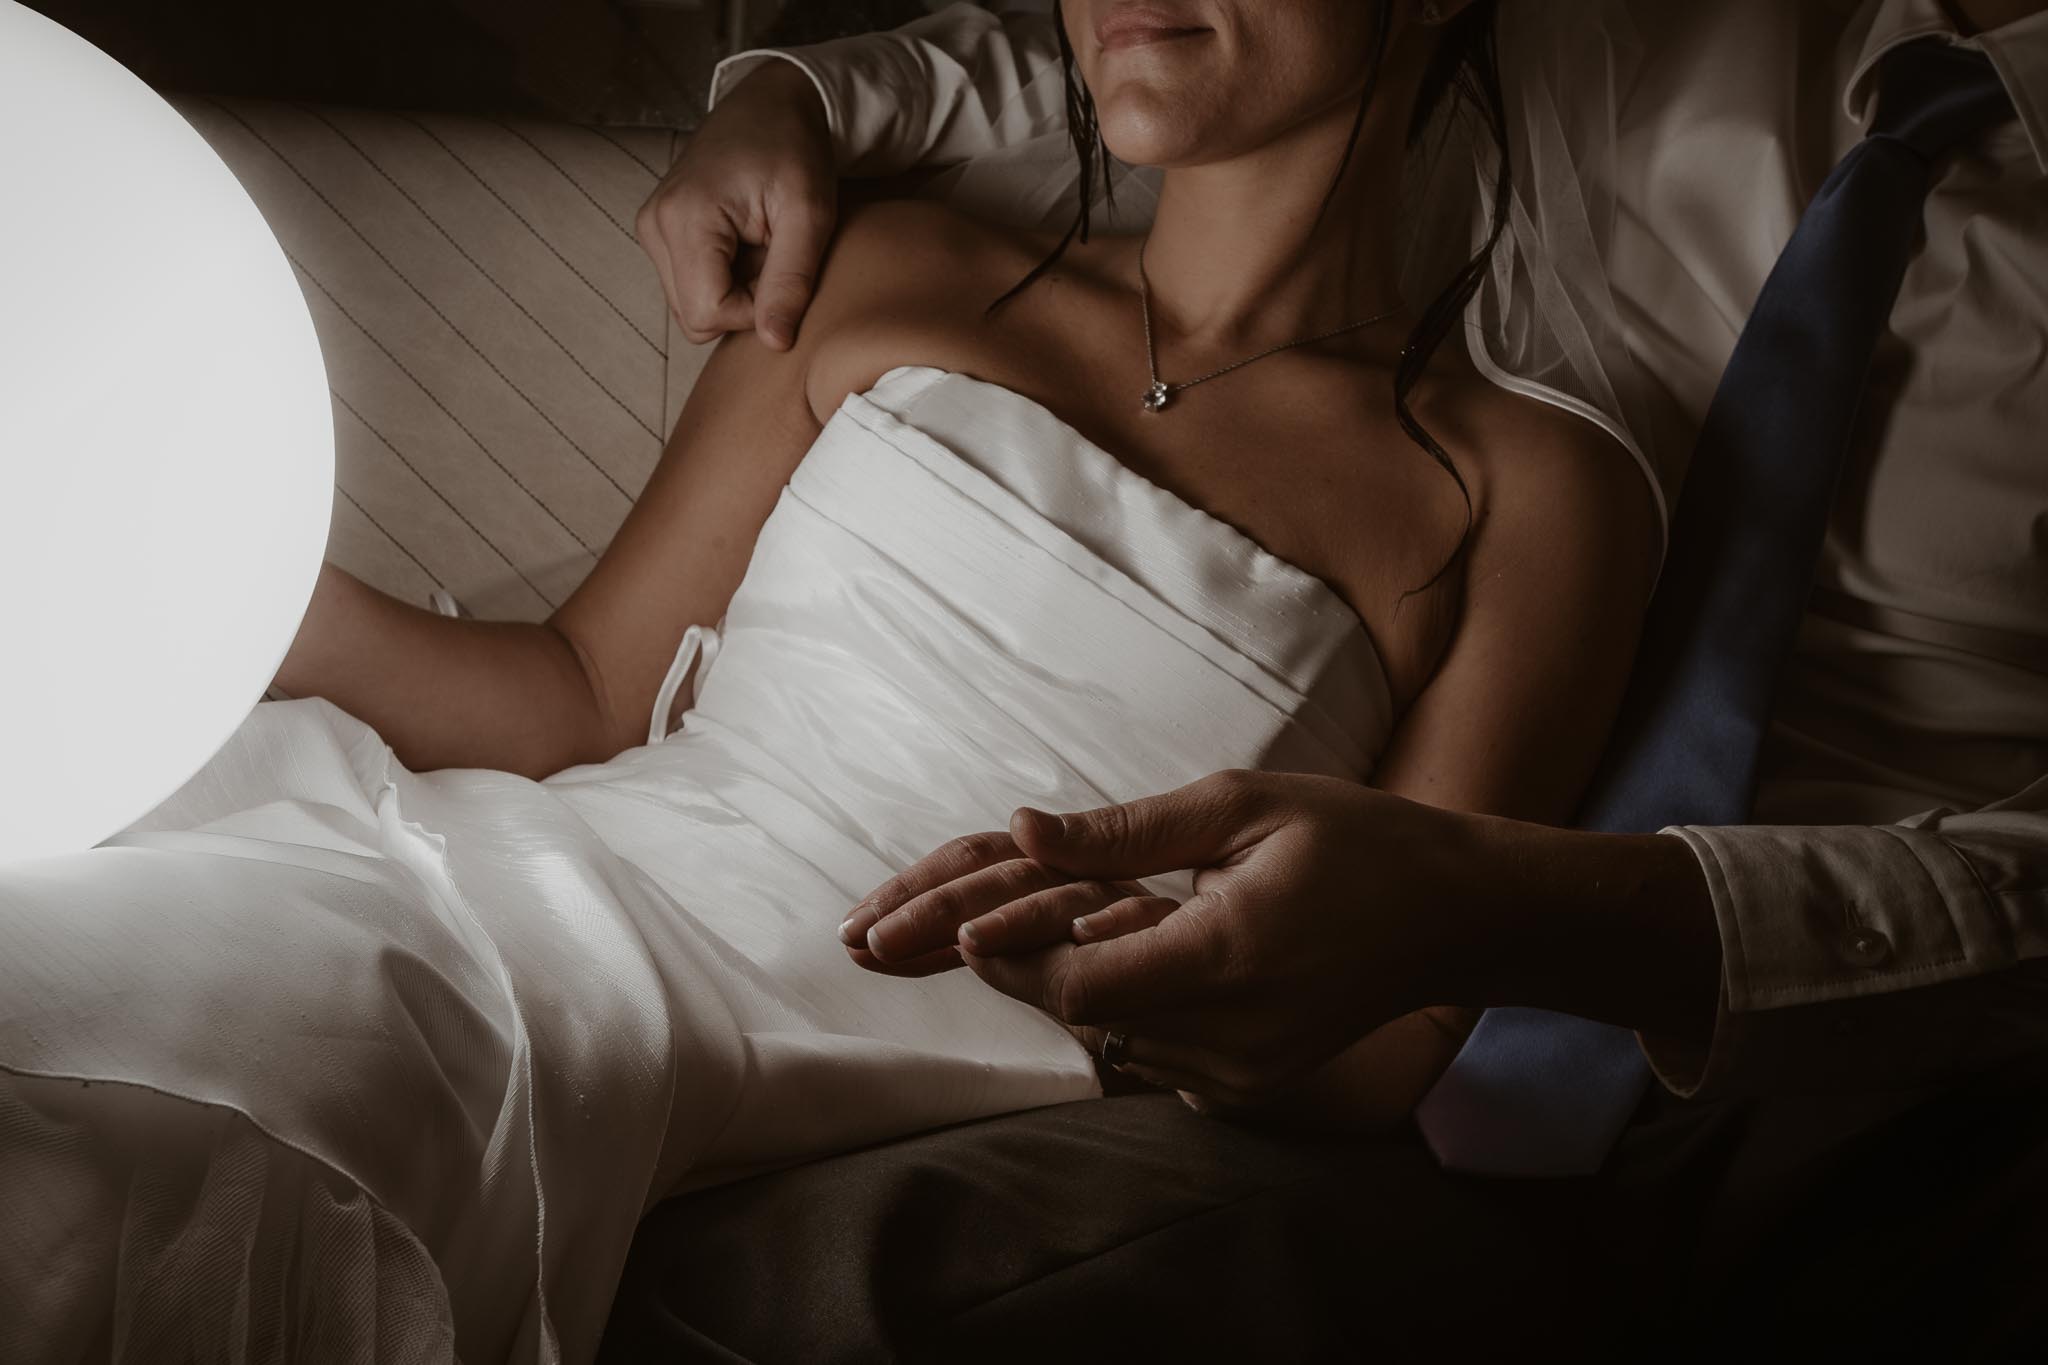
912, 924
1330, 924
757, 174
1297, 944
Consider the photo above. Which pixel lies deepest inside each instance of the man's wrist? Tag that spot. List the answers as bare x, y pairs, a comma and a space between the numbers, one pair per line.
771, 95
778, 85
1615, 927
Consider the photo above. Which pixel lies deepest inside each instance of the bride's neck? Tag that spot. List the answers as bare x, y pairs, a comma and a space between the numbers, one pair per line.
1237, 255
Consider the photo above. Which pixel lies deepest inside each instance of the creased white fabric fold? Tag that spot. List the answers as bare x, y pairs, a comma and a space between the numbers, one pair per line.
348, 1050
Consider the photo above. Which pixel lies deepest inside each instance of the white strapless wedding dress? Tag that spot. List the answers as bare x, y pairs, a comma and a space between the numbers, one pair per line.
327, 1059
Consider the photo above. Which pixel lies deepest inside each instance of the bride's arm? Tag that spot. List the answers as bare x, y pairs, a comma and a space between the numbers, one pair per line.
683, 548
442, 692
749, 421
1562, 560
1513, 720
534, 698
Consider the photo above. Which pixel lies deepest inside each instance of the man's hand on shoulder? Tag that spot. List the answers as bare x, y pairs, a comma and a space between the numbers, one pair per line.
900, 275
738, 226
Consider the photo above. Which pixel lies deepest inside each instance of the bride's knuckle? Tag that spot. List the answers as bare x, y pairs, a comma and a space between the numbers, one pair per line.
1072, 898
943, 906
1020, 876
976, 849
1052, 913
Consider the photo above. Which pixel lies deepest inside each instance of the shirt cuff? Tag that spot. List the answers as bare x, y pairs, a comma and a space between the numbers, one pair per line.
872, 91
1816, 922
736, 68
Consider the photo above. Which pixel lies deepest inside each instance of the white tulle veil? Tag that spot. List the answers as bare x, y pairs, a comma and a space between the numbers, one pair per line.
1545, 320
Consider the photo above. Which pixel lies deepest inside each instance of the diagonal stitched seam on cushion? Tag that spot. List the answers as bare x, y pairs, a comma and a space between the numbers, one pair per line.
431, 576
340, 308
563, 171
538, 236
399, 455
378, 342
592, 128
510, 298
1131, 1241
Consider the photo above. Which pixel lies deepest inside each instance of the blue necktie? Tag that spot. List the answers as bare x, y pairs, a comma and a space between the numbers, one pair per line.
1538, 1093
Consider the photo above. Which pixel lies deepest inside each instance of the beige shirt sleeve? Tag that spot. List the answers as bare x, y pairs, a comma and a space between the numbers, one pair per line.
1872, 956
935, 92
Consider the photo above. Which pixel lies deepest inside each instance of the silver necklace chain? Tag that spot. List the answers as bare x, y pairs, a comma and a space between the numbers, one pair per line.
1161, 393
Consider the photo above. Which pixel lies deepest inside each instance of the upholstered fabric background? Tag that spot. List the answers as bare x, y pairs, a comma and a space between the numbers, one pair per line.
503, 366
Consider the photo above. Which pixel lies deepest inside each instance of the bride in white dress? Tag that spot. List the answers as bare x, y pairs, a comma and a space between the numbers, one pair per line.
374, 1041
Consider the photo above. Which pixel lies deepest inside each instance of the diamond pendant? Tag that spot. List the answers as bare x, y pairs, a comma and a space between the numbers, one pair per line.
1157, 397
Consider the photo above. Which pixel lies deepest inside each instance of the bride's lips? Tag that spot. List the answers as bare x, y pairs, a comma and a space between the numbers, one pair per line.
1140, 27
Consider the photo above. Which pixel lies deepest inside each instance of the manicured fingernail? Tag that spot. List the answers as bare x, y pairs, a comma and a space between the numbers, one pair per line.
882, 939
1086, 926
981, 934
854, 928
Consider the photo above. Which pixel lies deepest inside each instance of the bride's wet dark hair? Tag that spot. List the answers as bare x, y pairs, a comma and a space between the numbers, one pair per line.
1464, 66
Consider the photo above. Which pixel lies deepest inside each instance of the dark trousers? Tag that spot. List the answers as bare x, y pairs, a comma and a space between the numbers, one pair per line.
1906, 1225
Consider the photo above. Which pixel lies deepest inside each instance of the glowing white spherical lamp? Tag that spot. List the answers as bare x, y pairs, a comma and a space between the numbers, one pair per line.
166, 446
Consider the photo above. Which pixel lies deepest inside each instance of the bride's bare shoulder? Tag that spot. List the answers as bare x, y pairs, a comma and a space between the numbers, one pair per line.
916, 249
1544, 475
901, 278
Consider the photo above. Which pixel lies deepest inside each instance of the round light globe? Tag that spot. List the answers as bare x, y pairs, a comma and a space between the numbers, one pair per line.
166, 446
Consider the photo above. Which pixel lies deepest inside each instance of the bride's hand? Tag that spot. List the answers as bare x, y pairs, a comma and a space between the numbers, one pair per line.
911, 924
985, 892
1325, 915
1323, 911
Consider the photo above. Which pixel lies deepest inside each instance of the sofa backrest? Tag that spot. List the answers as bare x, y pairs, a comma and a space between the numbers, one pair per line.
503, 366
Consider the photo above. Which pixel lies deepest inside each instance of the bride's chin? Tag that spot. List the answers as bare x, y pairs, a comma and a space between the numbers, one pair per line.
1151, 133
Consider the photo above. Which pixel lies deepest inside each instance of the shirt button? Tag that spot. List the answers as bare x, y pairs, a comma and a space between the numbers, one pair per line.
1866, 948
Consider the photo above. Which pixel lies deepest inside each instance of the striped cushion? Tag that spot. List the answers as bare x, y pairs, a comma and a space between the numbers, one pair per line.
503, 365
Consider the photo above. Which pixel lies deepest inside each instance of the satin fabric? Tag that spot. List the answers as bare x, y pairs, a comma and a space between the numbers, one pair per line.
1662, 154
325, 1058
